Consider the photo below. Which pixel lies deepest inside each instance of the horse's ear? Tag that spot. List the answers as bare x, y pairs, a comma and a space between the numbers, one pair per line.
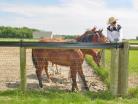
101, 30
93, 29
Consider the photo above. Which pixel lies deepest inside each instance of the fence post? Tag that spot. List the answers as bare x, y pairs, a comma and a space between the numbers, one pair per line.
103, 58
123, 69
23, 68
114, 71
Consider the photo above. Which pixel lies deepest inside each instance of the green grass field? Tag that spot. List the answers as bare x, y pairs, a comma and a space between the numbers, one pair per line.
54, 96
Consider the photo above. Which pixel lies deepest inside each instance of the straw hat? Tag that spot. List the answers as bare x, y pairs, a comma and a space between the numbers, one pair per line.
111, 20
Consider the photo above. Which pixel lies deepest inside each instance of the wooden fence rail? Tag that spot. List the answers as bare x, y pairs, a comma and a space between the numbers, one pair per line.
133, 47
119, 66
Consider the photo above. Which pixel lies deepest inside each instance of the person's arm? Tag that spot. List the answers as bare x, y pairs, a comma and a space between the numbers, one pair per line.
121, 34
109, 36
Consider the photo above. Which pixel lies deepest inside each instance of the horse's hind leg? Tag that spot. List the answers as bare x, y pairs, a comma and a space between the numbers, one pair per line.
73, 76
39, 69
83, 78
39, 76
57, 71
38, 63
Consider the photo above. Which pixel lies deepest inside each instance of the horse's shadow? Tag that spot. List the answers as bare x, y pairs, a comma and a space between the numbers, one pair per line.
54, 79
17, 85
32, 82
32, 76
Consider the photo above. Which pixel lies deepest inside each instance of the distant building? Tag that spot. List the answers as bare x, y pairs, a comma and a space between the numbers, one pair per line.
58, 36
42, 34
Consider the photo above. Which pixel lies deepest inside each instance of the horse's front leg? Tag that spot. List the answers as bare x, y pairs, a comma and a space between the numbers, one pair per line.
83, 78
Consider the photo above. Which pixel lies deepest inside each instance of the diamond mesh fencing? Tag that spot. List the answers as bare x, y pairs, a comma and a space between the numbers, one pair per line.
132, 67
9, 67
59, 75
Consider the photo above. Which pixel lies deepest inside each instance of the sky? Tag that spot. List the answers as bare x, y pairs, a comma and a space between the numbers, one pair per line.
70, 16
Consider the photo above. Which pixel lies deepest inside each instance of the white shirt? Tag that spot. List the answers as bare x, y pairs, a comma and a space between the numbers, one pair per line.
114, 33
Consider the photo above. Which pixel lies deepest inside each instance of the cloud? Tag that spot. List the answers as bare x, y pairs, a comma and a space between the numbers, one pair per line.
70, 17
135, 4
72, 6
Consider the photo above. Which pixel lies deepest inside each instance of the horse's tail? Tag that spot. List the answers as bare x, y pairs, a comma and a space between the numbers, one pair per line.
34, 59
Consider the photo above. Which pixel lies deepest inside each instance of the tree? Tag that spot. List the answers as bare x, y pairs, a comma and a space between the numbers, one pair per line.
14, 32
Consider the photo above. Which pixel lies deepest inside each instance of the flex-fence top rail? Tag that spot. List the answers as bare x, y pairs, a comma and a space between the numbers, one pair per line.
54, 45
133, 46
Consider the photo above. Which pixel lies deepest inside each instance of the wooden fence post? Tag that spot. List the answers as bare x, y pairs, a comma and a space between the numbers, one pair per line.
114, 71
103, 58
123, 70
23, 68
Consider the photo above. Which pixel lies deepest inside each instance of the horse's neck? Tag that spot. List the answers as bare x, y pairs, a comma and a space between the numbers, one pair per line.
91, 52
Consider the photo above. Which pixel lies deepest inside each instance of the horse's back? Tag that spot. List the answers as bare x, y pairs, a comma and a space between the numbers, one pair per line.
51, 40
64, 57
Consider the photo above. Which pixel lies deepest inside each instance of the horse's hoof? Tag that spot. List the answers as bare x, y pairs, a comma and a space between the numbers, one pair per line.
86, 88
75, 90
40, 85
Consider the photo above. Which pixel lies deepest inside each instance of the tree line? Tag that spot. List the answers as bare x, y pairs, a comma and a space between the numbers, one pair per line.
14, 32
23, 32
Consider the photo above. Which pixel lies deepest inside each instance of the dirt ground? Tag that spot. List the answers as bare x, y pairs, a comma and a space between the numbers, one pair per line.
10, 73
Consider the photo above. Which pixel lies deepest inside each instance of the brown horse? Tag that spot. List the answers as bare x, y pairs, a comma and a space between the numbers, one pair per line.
66, 57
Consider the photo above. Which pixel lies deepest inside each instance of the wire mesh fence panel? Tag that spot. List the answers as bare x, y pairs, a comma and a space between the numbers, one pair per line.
9, 67
107, 59
133, 69
60, 76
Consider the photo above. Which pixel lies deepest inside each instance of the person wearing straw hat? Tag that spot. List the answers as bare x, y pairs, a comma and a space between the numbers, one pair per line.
114, 30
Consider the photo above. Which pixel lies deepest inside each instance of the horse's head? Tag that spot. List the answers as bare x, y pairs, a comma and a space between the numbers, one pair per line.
98, 37
93, 35
97, 58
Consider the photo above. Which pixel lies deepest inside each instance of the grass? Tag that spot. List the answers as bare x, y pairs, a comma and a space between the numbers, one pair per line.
133, 62
54, 96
